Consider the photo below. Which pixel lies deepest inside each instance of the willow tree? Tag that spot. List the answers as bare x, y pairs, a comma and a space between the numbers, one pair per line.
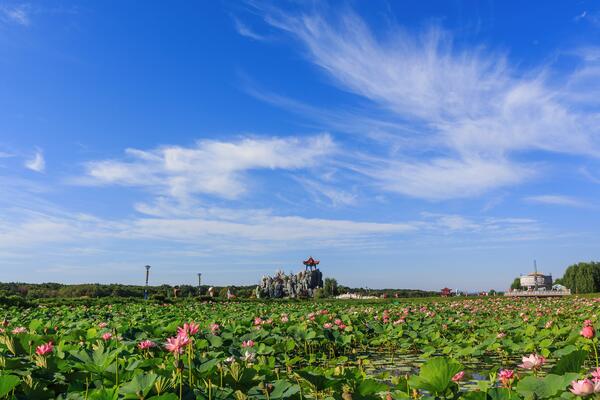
583, 277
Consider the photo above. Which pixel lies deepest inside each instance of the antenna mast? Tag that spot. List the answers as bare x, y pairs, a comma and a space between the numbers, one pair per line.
535, 275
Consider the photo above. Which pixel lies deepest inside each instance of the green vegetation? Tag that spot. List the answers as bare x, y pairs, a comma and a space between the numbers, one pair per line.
30, 291
516, 285
330, 287
583, 277
471, 349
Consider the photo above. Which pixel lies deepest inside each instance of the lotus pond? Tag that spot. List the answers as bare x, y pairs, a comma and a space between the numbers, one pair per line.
477, 349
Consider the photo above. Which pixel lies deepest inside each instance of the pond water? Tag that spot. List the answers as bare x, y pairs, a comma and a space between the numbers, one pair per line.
400, 364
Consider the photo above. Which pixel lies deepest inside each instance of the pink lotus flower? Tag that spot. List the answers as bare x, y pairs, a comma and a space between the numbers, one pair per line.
458, 376
258, 321
177, 343
500, 335
248, 343
19, 329
328, 325
596, 375
188, 329
215, 329
534, 361
582, 388
107, 336
587, 322
146, 344
102, 325
506, 376
284, 318
588, 332
44, 349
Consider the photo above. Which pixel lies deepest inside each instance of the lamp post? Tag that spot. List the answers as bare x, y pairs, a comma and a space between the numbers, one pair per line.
146, 288
199, 283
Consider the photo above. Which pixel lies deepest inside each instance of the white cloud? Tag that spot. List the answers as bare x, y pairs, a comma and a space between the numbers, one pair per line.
335, 196
557, 200
238, 231
37, 163
592, 18
244, 30
16, 14
590, 176
489, 227
215, 229
209, 167
466, 112
269, 228
452, 222
444, 178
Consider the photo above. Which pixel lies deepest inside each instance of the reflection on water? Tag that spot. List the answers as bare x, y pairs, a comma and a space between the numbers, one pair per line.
400, 364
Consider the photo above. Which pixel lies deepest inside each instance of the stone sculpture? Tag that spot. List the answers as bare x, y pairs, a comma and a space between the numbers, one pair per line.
302, 284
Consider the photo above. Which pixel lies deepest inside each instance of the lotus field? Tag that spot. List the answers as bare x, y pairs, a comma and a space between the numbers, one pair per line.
475, 349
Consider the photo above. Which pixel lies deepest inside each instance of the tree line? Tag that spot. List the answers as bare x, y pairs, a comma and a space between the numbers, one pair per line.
96, 290
583, 277
35, 291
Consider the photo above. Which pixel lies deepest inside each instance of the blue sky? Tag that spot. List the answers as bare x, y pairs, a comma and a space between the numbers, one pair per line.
405, 145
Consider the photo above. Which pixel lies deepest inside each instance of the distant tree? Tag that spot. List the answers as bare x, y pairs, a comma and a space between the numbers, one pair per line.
558, 281
582, 277
319, 293
330, 287
223, 293
187, 291
516, 285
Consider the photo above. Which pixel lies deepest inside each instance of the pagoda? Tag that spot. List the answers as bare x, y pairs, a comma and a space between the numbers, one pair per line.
310, 264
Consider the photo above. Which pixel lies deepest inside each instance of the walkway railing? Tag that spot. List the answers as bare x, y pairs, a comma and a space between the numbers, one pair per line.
538, 293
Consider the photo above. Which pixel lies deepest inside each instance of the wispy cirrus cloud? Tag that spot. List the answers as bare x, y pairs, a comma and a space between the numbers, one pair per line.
18, 14
211, 231
210, 167
470, 109
557, 200
589, 175
37, 163
246, 31
443, 178
218, 229
591, 17
333, 195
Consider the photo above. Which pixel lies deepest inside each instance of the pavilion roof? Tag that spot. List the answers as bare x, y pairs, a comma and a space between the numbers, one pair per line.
311, 262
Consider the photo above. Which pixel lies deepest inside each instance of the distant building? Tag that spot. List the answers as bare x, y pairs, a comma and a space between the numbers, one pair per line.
536, 280
445, 292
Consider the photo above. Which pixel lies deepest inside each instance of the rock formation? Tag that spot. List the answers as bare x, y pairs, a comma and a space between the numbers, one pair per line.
302, 284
